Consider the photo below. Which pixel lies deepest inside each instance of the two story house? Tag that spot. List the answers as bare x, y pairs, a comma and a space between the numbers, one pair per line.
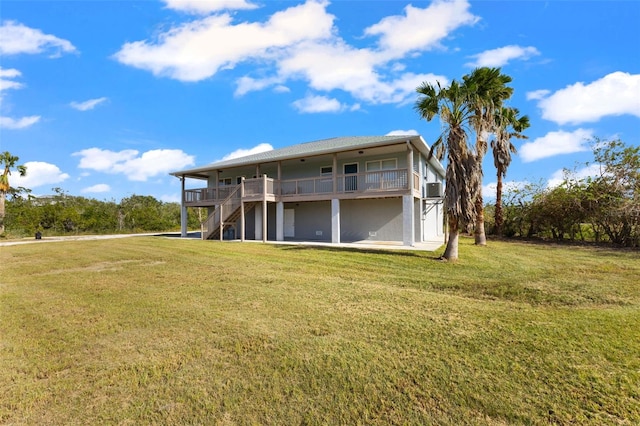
345, 189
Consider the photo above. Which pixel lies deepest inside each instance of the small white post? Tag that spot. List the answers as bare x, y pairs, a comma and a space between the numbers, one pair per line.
264, 208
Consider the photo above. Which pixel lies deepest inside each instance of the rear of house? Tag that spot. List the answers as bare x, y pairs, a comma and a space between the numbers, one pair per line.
346, 189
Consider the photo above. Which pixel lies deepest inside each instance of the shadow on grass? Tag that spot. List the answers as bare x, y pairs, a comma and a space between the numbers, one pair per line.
399, 252
603, 249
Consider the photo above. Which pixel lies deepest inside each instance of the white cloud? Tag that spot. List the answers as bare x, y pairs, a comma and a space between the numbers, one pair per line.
16, 38
263, 147
301, 43
101, 187
129, 163
170, 198
402, 132
197, 50
247, 84
103, 160
537, 94
6, 79
207, 6
87, 105
489, 190
421, 29
6, 82
315, 104
18, 123
330, 66
556, 143
38, 174
9, 73
502, 55
558, 176
617, 93
281, 89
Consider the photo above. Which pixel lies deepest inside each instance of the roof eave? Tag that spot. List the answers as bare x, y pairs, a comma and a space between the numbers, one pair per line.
198, 173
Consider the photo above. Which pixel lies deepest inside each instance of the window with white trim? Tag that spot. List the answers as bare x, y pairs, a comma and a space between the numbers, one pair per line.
377, 178
326, 171
388, 164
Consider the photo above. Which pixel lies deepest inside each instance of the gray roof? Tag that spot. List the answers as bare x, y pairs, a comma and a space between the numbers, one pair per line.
324, 146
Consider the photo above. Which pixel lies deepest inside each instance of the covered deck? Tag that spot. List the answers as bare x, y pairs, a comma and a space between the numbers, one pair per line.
386, 183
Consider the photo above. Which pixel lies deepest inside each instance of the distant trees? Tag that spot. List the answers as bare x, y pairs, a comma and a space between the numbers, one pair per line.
63, 214
602, 208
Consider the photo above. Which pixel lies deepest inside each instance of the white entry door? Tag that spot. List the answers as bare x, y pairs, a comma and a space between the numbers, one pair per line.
289, 223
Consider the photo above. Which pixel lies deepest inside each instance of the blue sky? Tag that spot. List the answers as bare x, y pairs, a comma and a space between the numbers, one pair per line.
105, 98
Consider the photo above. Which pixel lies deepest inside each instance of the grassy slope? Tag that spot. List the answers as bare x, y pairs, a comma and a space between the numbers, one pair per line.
153, 330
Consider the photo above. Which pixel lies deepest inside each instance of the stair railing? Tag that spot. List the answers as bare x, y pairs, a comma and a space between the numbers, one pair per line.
222, 212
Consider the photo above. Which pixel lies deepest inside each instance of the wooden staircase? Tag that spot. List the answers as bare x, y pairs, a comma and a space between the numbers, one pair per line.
225, 215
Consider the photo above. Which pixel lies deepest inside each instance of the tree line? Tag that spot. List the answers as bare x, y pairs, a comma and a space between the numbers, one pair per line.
600, 208
64, 214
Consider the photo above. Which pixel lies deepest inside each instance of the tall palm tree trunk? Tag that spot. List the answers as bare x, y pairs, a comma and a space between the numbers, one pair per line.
479, 233
498, 213
2, 201
451, 251
460, 189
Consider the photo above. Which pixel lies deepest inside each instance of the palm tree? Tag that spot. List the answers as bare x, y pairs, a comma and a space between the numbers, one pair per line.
452, 105
507, 125
488, 90
9, 161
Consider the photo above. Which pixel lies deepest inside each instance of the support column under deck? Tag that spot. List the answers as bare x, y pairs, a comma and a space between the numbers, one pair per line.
183, 212
408, 224
335, 221
280, 221
258, 221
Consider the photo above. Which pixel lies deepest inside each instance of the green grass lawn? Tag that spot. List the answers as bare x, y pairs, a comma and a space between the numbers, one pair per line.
168, 331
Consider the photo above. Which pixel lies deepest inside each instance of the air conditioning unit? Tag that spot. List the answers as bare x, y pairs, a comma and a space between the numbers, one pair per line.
434, 190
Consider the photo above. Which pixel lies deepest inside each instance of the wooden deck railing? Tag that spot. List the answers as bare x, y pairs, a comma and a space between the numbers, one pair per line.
368, 182
192, 196
308, 186
379, 181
